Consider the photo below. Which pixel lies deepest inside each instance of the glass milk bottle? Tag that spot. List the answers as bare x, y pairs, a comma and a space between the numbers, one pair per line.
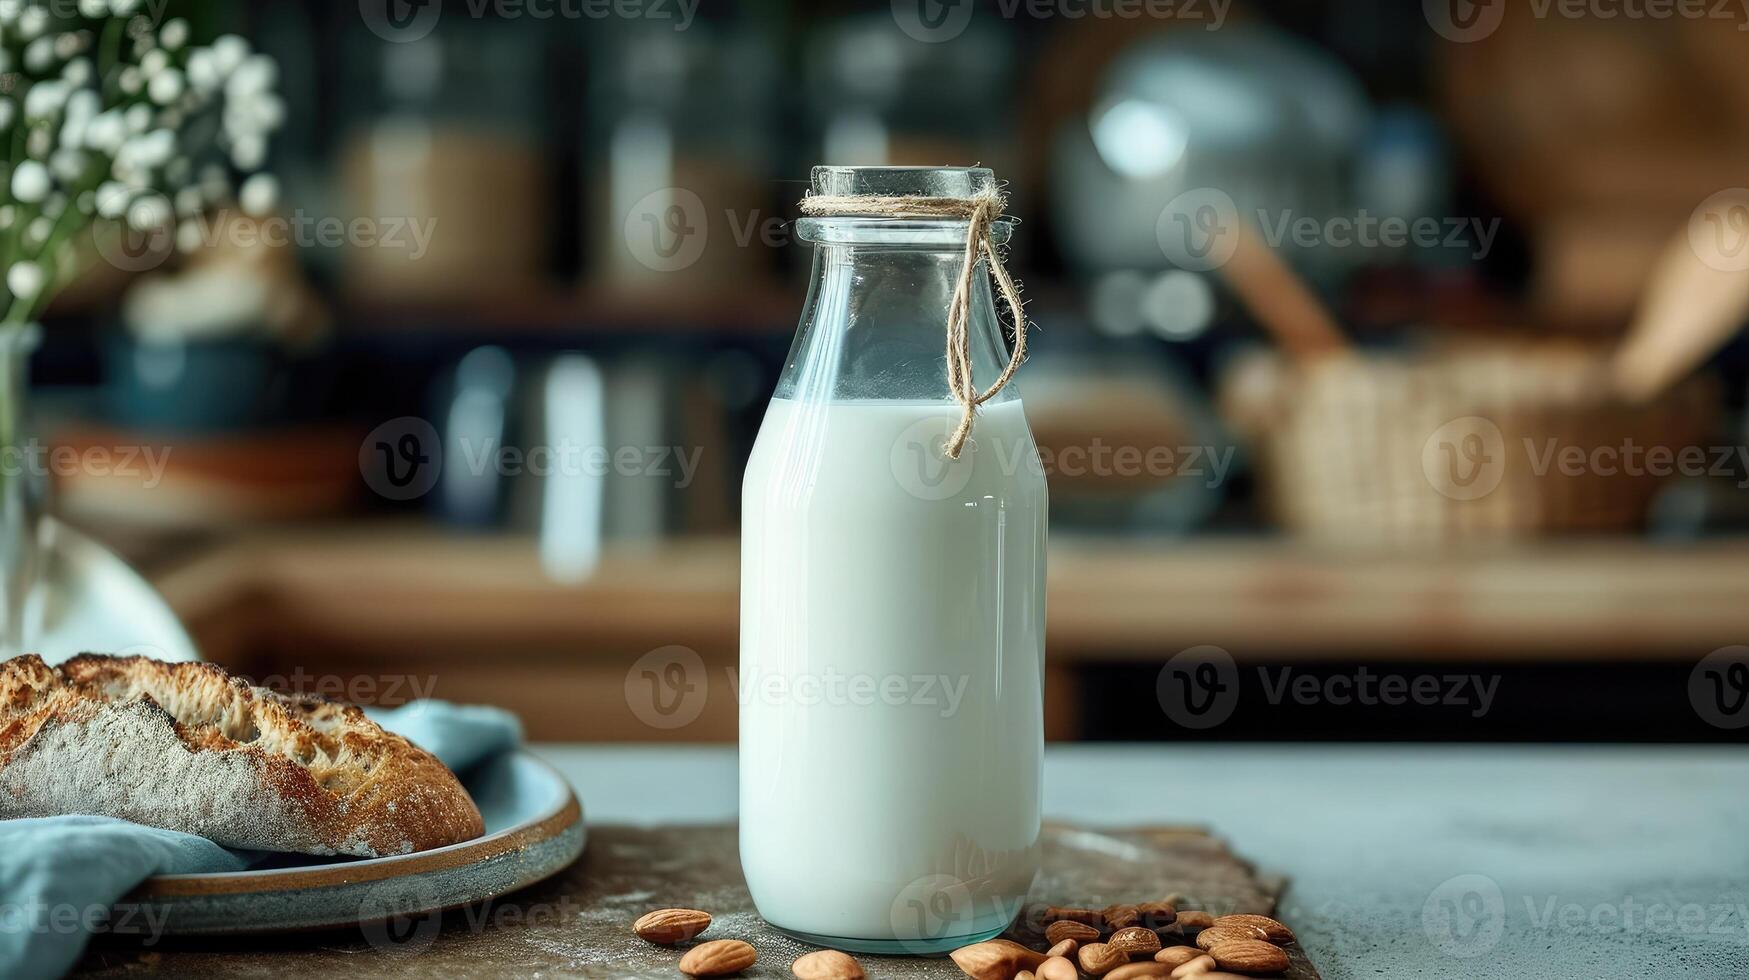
892, 598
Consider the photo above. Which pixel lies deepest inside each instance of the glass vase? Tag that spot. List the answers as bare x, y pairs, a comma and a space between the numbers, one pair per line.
21, 491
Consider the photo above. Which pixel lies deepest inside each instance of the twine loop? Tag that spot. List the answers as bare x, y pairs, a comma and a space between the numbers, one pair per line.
980, 213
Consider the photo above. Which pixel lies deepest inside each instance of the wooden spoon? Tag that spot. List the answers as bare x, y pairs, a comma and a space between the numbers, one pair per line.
1690, 309
1280, 300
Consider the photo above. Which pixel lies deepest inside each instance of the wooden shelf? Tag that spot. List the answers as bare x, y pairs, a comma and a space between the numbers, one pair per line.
401, 591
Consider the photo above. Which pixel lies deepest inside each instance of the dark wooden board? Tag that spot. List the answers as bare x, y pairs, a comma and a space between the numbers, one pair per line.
578, 924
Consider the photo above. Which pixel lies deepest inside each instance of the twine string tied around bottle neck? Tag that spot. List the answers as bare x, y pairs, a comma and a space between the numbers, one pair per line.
980, 213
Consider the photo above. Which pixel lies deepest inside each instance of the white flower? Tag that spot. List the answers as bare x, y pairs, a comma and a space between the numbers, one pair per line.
77, 72
83, 105
32, 20
260, 194
107, 132
154, 61
44, 99
68, 164
249, 152
257, 74
189, 236
9, 10
40, 229
86, 202
39, 144
71, 44
123, 8
203, 70
94, 9
174, 35
132, 79
166, 86
138, 118
154, 149
39, 54
24, 279
112, 199
149, 212
30, 182
229, 53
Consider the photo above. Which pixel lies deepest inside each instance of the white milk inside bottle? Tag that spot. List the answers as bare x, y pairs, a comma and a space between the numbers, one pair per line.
892, 604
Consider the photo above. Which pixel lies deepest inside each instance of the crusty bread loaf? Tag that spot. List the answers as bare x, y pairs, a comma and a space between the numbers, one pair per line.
185, 746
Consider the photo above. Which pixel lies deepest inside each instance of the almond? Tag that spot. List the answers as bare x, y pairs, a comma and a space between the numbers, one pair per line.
1193, 920
1087, 917
1063, 929
1136, 941
1145, 970
1157, 915
1102, 958
1120, 916
1221, 934
1274, 931
997, 959
1249, 956
1194, 968
1178, 955
670, 926
827, 964
1065, 949
717, 958
1057, 968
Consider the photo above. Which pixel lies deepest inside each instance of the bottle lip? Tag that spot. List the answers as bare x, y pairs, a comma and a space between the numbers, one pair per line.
931, 233
841, 181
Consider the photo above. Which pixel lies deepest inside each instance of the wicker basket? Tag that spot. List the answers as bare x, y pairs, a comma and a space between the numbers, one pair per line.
1497, 440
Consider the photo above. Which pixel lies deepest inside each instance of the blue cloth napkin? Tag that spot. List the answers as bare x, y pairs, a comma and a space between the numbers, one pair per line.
60, 876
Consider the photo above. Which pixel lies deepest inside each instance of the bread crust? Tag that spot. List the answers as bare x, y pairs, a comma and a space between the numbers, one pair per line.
186, 746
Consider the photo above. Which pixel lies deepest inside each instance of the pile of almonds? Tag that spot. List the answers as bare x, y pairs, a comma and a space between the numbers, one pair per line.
727, 957
1129, 942
1119, 942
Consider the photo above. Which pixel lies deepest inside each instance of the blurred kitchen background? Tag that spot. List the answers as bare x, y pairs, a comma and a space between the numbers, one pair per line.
545, 223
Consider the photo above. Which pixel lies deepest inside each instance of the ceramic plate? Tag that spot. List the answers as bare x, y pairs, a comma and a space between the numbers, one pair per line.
534, 829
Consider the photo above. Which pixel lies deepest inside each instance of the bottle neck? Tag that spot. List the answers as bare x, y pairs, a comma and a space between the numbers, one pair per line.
874, 326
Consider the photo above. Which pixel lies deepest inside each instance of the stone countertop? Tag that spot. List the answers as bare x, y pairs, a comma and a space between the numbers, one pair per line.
1406, 861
